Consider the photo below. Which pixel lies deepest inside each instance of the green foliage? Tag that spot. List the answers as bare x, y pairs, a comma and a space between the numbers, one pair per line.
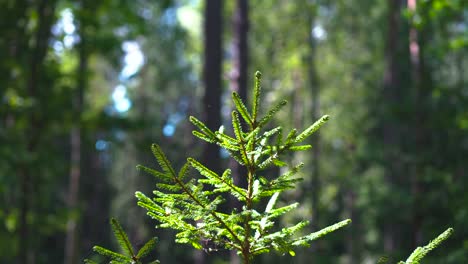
421, 252
127, 256
191, 206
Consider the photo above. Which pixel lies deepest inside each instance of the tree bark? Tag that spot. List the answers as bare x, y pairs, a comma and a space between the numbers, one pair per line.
212, 76
45, 13
239, 74
314, 86
213, 53
391, 133
315, 92
422, 85
416, 220
75, 143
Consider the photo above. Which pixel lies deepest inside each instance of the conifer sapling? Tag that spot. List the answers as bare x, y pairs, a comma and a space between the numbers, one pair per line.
191, 205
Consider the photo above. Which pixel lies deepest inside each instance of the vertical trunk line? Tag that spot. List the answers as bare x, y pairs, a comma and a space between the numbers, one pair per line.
45, 12
212, 68
314, 186
416, 76
391, 133
75, 145
238, 76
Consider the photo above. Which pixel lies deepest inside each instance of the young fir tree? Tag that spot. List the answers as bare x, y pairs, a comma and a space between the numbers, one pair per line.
191, 206
187, 206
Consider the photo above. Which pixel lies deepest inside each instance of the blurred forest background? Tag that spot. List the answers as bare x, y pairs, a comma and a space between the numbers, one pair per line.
86, 86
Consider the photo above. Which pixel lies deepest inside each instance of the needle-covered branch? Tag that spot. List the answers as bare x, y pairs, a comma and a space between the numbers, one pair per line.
190, 205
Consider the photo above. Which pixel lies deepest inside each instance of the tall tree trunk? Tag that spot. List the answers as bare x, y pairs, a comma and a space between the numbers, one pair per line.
240, 50
45, 13
416, 76
391, 134
422, 84
315, 91
213, 53
240, 54
212, 76
75, 143
314, 87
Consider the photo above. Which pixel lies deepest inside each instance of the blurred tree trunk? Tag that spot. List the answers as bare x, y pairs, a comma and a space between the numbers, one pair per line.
314, 86
212, 77
71, 256
96, 194
17, 45
212, 68
414, 52
391, 96
239, 74
422, 85
240, 50
315, 92
45, 19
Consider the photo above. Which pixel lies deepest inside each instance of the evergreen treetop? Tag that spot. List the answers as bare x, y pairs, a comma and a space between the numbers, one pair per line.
191, 205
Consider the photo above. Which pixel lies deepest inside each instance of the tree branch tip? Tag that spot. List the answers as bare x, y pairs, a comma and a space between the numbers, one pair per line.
258, 74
